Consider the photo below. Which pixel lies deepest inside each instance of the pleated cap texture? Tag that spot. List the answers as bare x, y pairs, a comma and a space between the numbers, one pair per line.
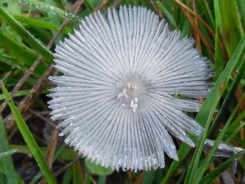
126, 85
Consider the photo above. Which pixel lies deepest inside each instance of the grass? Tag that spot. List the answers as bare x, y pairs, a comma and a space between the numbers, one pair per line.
5, 155
28, 137
28, 33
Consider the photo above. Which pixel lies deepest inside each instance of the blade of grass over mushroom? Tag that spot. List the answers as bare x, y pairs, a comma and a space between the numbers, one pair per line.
200, 172
31, 143
191, 173
5, 156
33, 42
183, 151
232, 31
209, 105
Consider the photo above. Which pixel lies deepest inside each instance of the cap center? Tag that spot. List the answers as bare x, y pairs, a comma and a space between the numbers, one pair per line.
130, 93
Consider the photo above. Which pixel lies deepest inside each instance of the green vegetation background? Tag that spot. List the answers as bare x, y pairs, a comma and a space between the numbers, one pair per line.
28, 33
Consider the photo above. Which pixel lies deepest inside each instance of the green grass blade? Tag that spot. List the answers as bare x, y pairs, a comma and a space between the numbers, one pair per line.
219, 56
63, 154
242, 163
40, 23
235, 131
92, 4
241, 7
24, 56
77, 170
183, 151
203, 5
3, 179
167, 14
67, 176
158, 176
228, 97
235, 127
102, 180
192, 171
232, 31
33, 42
49, 9
36, 178
30, 141
6, 153
98, 169
199, 173
209, 105
214, 96
215, 173
149, 177
19, 93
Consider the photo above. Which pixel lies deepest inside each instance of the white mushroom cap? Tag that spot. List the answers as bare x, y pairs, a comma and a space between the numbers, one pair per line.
117, 98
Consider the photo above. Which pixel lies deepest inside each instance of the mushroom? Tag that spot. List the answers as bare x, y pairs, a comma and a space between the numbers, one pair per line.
128, 81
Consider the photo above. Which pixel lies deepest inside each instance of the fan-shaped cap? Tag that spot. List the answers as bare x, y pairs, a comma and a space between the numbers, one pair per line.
117, 99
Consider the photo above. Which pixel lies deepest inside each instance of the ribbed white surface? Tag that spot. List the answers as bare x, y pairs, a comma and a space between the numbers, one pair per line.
110, 64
